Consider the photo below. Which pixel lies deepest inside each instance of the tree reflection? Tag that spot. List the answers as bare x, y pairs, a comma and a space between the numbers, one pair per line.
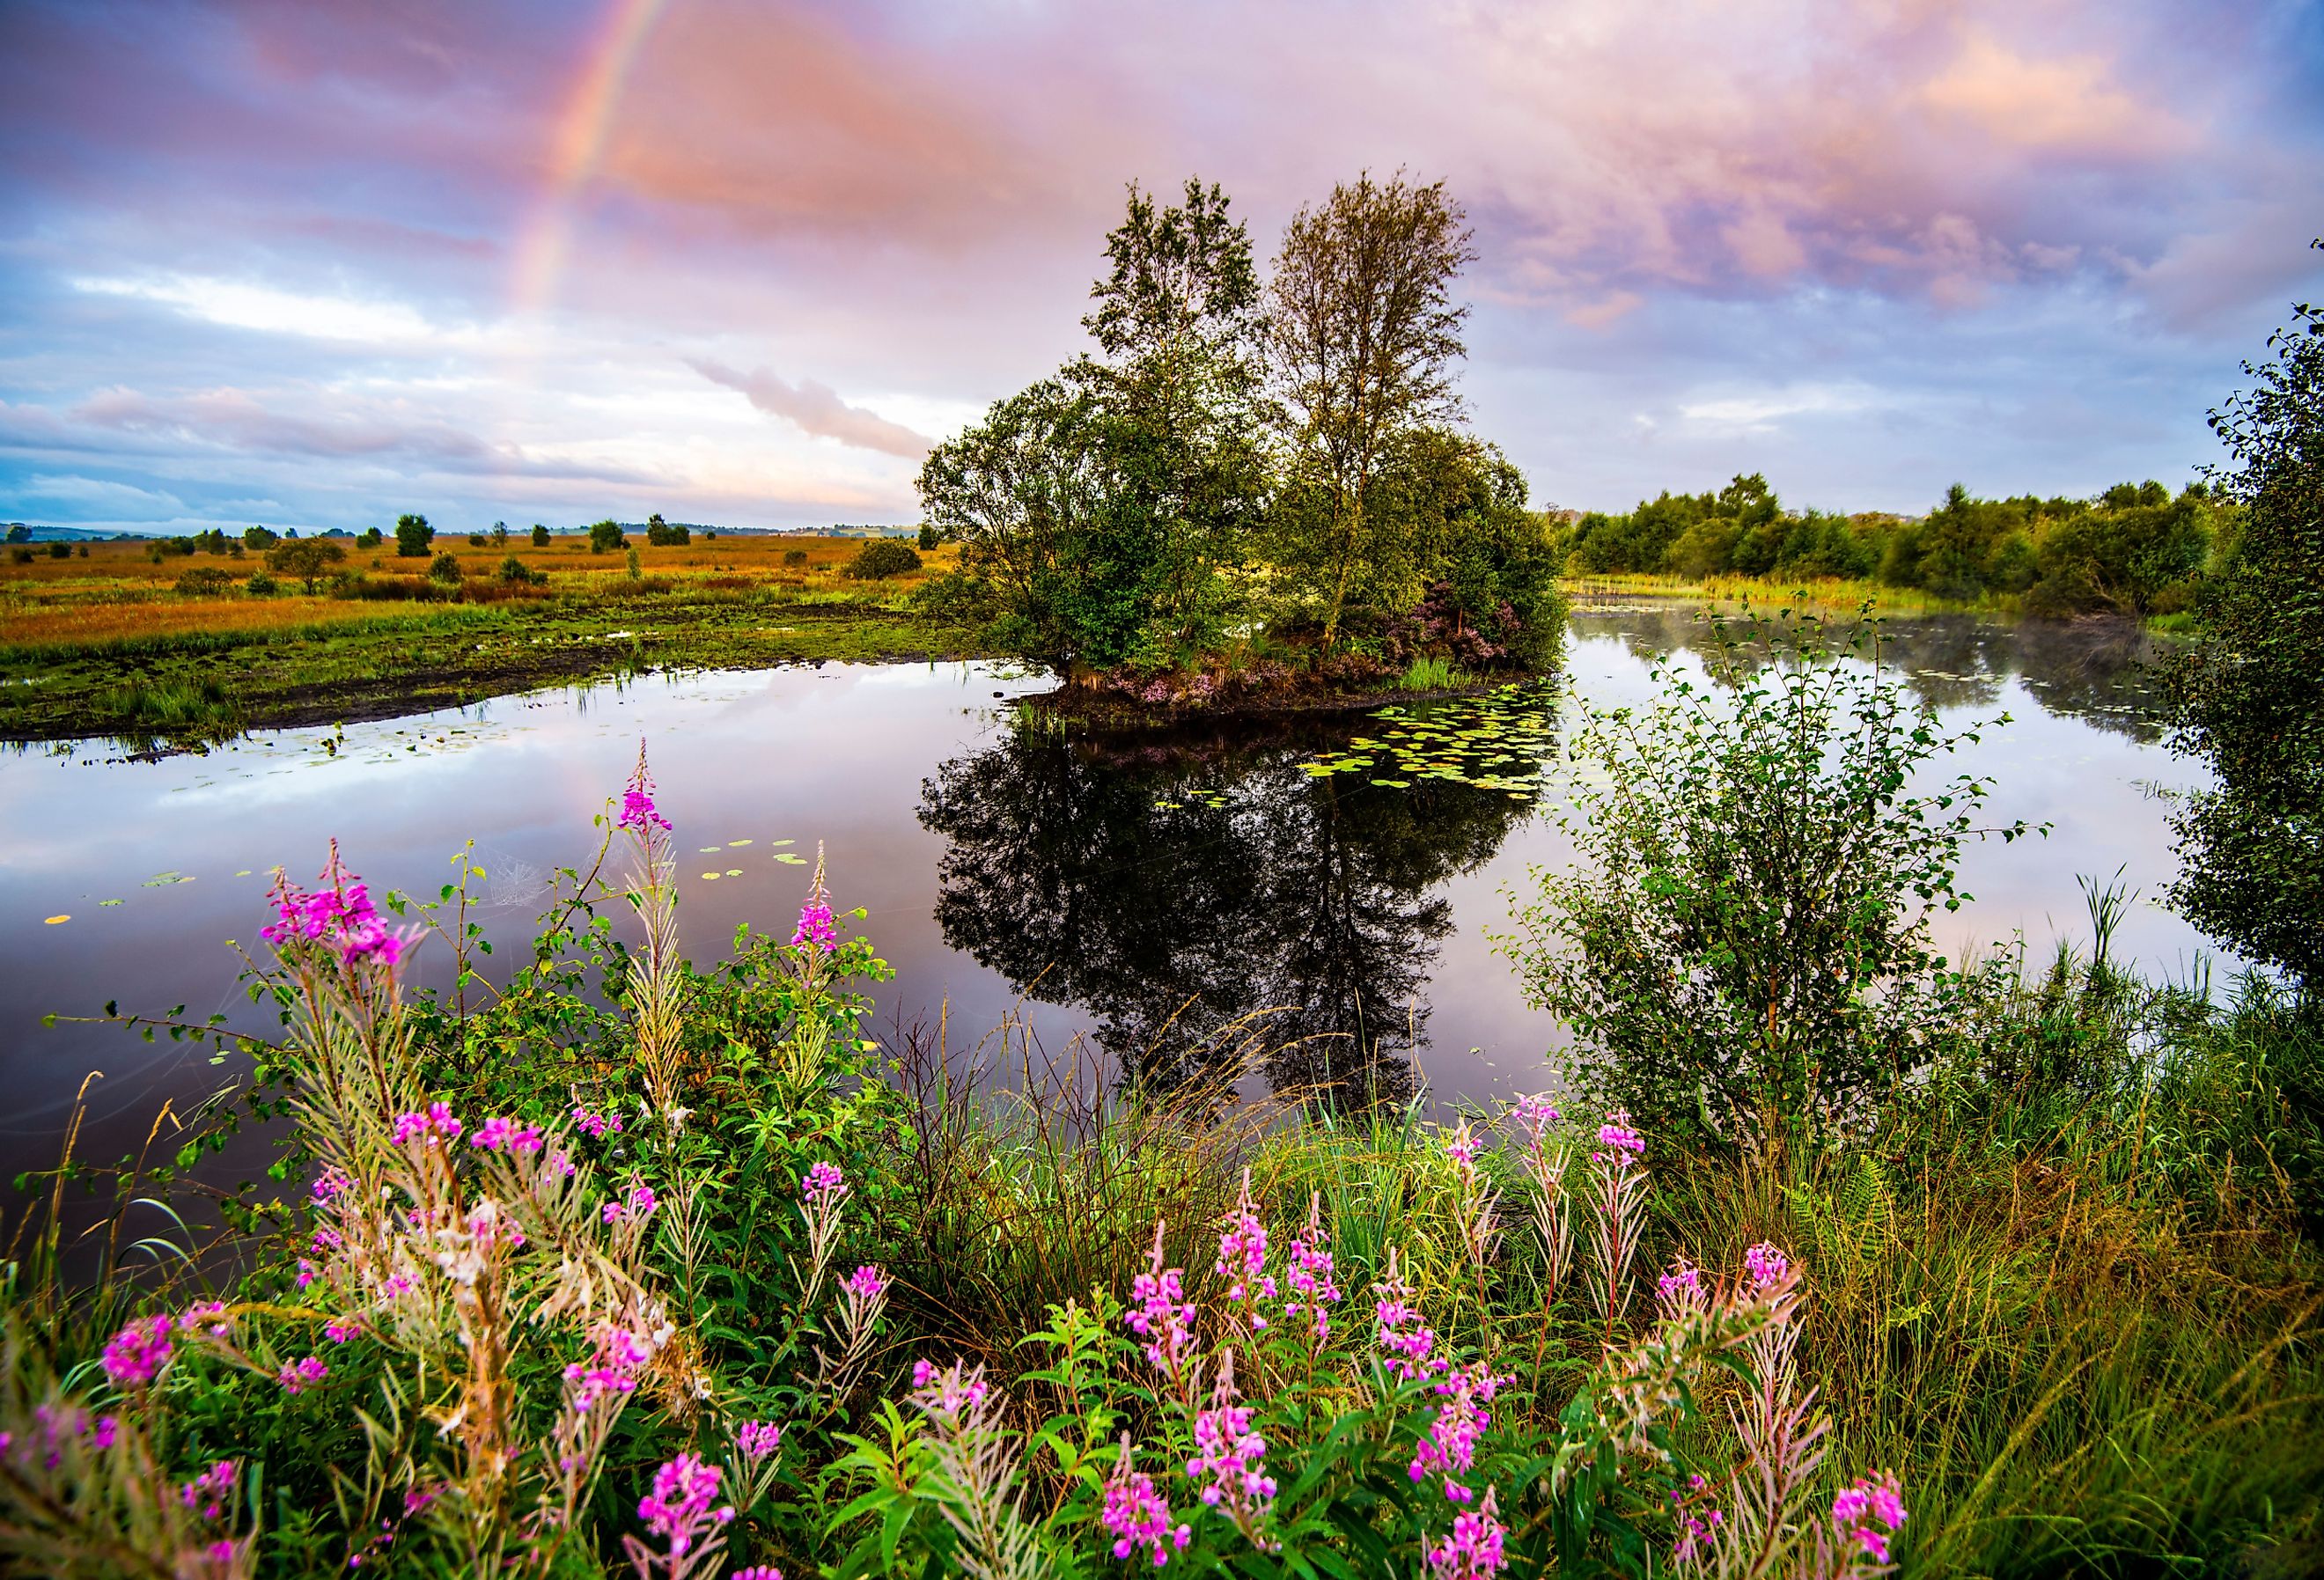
1173, 886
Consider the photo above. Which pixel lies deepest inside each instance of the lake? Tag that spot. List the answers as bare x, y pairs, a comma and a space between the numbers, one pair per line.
1167, 896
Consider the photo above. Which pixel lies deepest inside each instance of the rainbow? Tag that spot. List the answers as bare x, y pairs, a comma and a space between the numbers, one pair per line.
582, 127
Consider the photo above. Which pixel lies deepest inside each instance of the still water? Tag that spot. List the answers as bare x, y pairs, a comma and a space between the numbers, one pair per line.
1150, 895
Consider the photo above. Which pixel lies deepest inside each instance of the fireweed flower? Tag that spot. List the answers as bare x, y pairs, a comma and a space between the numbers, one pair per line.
210, 1315
1160, 1315
596, 1125
1679, 1292
639, 1205
1242, 1255
824, 1179
756, 1440
331, 1183
1767, 1265
817, 927
611, 1369
1618, 1143
1867, 1503
340, 916
208, 1493
1138, 1515
135, 1356
678, 1509
947, 1396
1474, 1549
1533, 1114
500, 1132
638, 808
1450, 1443
866, 1284
1309, 1278
1463, 1147
1230, 1460
300, 1375
426, 1128
340, 1332
757, 1572
1396, 1323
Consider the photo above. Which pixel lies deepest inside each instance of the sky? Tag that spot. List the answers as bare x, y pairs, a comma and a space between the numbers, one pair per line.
315, 263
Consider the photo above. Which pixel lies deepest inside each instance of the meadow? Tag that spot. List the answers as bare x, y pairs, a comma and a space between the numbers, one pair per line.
109, 645
603, 1261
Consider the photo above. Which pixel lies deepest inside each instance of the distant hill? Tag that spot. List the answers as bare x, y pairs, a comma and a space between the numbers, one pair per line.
29, 532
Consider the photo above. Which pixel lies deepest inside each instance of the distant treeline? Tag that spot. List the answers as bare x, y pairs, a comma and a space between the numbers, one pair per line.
2134, 549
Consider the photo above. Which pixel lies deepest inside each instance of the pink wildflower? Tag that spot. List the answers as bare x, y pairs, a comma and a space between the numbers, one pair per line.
596, 1125
1621, 1144
1396, 1323
757, 1572
341, 1333
500, 1132
638, 808
1309, 1277
866, 1283
678, 1509
1767, 1265
340, 915
438, 1122
823, 1180
641, 1204
1160, 1315
1242, 1255
1680, 1290
1474, 1550
300, 1375
1230, 1458
137, 1354
817, 927
1138, 1515
947, 1395
611, 1367
1450, 1443
207, 1493
755, 1440
1867, 1503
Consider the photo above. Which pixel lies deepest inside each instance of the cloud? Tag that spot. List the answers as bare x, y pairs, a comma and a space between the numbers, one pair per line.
1759, 411
817, 410
244, 305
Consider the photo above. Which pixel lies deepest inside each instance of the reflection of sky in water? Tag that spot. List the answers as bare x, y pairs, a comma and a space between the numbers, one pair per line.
838, 755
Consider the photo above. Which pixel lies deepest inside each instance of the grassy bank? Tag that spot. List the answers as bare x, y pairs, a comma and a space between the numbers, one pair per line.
106, 645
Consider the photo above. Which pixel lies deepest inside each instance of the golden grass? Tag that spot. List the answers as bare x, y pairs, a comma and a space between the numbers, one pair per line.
1823, 592
119, 592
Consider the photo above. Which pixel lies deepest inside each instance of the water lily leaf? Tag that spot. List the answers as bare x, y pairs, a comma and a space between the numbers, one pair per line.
109, 903
736, 843
734, 872
710, 877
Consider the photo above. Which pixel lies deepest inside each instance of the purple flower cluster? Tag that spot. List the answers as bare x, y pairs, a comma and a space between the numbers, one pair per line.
1160, 1315
1474, 1550
756, 1440
208, 1493
947, 1395
823, 1180
135, 1356
1533, 1114
500, 1133
1309, 1277
1621, 1143
1695, 1527
866, 1283
1680, 1292
1450, 1443
678, 1509
1139, 1516
817, 926
339, 914
299, 1376
1398, 1325
596, 1125
429, 1127
1767, 1265
1242, 1255
1867, 1503
611, 1367
757, 1572
1230, 1458
1462, 1146
638, 808
639, 1205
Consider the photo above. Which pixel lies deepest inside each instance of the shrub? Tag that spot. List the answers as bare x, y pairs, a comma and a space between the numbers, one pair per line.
637, 571
539, 536
794, 557
83, 551
259, 538
516, 573
500, 534
370, 538
1743, 949
444, 567
477, 540
882, 558
308, 559
261, 586
205, 581
604, 536
413, 536
61, 550
661, 535
23, 556
929, 536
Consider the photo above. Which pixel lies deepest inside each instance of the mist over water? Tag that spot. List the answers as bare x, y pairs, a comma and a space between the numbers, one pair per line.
1161, 895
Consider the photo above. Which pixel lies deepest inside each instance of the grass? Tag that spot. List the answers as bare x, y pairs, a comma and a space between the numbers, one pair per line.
1821, 592
99, 645
1432, 674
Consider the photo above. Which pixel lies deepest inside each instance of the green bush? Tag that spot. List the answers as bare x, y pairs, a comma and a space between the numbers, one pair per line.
661, 535
539, 536
261, 585
413, 536
929, 536
61, 550
605, 536
794, 557
23, 556
516, 573
204, 581
882, 558
445, 568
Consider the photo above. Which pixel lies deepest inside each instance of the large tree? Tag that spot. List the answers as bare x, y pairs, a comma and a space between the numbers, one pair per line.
1364, 337
2247, 686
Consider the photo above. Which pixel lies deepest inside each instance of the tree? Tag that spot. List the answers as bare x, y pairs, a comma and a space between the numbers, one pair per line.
259, 538
500, 534
660, 532
307, 559
929, 536
539, 536
605, 536
18, 532
2245, 690
412, 536
1364, 337
882, 558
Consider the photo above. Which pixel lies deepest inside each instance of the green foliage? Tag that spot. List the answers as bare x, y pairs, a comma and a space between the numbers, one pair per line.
539, 536
882, 558
1743, 951
204, 581
261, 586
23, 556
929, 537
444, 568
413, 536
605, 536
259, 538
794, 557
631, 563
309, 560
371, 537
515, 572
18, 532
2246, 689
60, 550
661, 535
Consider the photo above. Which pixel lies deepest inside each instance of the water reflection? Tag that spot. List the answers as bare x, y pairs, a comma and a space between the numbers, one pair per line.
2095, 670
1173, 886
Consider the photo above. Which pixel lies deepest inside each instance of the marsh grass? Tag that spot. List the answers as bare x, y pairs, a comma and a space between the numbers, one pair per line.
1432, 674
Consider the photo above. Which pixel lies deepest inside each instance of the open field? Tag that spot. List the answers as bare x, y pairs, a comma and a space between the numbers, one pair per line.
106, 644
